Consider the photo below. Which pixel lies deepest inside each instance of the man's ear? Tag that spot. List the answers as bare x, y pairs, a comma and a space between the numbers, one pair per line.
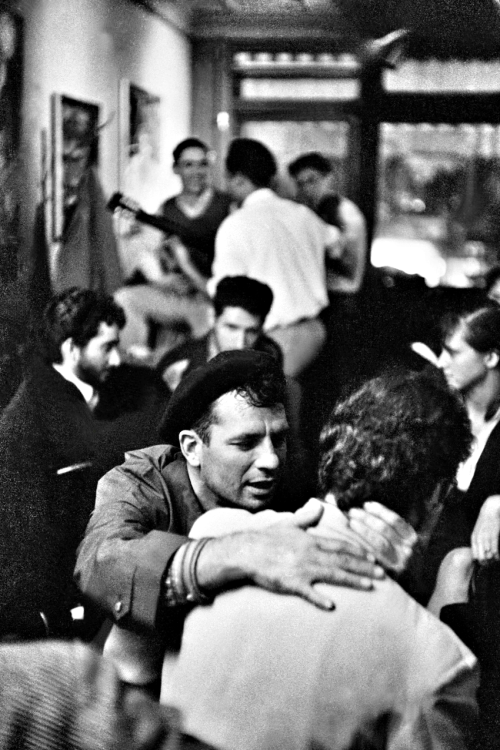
492, 359
69, 351
190, 445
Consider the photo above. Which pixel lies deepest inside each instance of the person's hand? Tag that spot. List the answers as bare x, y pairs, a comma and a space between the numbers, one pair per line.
390, 537
484, 540
286, 559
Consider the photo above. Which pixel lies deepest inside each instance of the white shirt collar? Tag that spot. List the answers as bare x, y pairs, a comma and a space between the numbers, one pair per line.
85, 389
258, 195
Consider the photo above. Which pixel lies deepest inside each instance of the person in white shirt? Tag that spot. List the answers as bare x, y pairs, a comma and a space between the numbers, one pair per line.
280, 243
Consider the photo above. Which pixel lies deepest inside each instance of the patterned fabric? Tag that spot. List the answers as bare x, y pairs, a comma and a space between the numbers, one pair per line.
64, 696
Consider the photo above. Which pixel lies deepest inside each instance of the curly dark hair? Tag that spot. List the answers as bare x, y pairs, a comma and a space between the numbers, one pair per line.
77, 314
392, 441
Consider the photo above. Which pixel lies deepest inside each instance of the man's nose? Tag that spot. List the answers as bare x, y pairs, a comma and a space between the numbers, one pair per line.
114, 359
268, 458
240, 340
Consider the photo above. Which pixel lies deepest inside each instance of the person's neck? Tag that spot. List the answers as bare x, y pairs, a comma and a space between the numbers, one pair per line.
195, 201
481, 400
206, 498
67, 372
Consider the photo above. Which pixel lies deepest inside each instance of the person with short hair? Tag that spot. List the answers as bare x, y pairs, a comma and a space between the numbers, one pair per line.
51, 458
281, 243
312, 174
224, 433
170, 288
240, 307
258, 670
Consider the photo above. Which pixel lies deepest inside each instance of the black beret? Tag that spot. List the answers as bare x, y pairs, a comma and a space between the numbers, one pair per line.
203, 385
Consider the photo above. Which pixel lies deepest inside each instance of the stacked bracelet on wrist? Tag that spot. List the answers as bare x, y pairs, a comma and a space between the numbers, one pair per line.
181, 584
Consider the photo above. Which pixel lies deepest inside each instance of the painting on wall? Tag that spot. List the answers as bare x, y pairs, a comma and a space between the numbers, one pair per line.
140, 173
11, 75
75, 146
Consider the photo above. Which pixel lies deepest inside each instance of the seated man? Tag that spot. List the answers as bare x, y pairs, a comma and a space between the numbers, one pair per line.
51, 457
240, 305
261, 670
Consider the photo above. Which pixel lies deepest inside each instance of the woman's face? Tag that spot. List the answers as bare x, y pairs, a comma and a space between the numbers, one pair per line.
462, 366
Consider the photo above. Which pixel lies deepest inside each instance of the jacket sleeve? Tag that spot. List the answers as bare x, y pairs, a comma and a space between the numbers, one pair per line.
127, 545
447, 719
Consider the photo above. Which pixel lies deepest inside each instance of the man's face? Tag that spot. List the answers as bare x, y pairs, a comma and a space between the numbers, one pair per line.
193, 168
311, 186
96, 360
463, 366
236, 328
242, 463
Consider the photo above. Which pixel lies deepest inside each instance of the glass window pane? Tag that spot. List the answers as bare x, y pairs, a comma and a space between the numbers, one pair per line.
434, 76
299, 88
438, 212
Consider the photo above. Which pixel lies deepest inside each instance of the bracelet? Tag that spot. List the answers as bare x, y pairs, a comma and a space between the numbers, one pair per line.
195, 595
174, 590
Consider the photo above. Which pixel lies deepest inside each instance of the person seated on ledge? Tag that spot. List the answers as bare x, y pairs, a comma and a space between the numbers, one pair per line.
225, 431
258, 670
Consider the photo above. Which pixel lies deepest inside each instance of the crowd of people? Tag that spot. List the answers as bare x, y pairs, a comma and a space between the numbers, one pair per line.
161, 503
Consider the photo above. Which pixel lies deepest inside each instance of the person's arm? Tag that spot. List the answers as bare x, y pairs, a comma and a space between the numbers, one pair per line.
486, 532
127, 546
355, 250
181, 254
230, 254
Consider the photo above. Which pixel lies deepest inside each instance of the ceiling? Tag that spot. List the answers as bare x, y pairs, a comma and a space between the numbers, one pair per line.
441, 28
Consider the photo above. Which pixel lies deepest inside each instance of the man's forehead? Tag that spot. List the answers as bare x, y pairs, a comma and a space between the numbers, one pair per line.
233, 405
107, 332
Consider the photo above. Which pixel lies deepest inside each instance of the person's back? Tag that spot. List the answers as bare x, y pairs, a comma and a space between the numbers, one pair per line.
259, 670
297, 272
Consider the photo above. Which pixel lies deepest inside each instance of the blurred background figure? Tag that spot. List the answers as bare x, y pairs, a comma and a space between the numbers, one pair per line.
240, 307
165, 299
314, 180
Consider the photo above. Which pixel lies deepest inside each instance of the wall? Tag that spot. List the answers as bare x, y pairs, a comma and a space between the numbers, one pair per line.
82, 49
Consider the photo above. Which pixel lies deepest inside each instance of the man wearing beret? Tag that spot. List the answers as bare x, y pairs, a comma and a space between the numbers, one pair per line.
226, 430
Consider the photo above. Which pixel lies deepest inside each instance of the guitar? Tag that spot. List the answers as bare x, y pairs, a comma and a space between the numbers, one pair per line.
169, 226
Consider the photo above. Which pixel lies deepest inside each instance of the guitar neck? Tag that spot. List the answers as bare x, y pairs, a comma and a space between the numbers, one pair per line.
164, 224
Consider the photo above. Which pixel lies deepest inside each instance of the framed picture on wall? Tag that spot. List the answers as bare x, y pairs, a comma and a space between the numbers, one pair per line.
75, 145
139, 161
11, 75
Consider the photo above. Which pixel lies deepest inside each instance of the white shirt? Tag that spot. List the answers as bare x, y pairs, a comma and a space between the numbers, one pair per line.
280, 243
